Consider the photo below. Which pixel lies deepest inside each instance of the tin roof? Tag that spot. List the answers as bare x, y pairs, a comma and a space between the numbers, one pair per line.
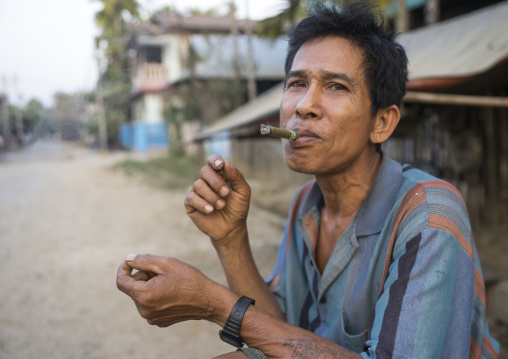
216, 57
463, 46
172, 22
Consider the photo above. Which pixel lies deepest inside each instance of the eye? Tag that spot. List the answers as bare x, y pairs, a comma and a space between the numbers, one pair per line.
338, 87
295, 83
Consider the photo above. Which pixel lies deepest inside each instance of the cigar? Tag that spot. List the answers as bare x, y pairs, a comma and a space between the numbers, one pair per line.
278, 132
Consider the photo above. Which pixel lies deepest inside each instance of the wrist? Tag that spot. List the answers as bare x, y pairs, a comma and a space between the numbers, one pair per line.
219, 305
231, 331
233, 241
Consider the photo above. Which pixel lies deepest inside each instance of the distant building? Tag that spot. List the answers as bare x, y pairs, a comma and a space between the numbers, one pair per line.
171, 50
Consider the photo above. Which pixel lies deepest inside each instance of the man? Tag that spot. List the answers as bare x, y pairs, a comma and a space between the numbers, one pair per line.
377, 260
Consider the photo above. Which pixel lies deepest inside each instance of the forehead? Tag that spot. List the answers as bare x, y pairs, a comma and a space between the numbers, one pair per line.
331, 53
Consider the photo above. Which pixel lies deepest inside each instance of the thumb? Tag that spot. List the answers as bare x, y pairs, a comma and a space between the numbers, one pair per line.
146, 263
236, 179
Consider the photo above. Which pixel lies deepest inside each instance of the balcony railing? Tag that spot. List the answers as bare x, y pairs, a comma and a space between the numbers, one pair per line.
149, 77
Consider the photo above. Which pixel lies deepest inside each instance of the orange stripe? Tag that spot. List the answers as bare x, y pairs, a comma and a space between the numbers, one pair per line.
414, 197
443, 184
487, 344
312, 228
474, 350
447, 225
479, 287
295, 209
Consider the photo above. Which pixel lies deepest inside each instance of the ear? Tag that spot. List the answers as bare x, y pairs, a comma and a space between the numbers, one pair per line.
386, 121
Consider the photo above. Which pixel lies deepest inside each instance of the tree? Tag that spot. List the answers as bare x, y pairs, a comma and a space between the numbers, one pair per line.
114, 70
32, 115
296, 10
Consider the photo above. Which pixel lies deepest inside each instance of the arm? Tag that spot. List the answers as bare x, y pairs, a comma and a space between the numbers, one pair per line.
167, 291
218, 205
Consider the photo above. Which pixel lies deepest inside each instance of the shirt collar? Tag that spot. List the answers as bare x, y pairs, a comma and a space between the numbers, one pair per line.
374, 211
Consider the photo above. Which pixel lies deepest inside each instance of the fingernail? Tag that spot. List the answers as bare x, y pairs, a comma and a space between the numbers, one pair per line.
224, 190
220, 204
217, 163
208, 208
130, 257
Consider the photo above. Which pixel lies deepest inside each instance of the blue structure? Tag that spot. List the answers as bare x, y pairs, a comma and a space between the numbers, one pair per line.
142, 137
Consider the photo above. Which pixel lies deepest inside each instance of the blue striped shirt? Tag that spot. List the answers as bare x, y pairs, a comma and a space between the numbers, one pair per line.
403, 281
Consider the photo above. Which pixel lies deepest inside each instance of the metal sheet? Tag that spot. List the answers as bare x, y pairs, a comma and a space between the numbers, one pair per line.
466, 45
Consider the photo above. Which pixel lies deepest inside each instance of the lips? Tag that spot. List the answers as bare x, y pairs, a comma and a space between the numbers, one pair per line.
307, 136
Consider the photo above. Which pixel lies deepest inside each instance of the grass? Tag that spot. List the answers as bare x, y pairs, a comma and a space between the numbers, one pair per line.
169, 172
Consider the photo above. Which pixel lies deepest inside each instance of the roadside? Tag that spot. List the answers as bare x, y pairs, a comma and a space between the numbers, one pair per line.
66, 222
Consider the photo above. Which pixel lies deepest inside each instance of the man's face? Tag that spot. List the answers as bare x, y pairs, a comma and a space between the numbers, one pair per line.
327, 100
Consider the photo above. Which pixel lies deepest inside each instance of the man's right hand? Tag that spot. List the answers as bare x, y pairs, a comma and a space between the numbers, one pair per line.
219, 201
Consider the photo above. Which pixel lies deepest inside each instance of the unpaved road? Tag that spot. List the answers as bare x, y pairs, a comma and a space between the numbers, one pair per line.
66, 222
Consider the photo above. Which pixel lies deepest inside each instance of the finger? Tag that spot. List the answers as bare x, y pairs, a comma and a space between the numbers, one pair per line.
124, 281
216, 162
236, 179
193, 202
141, 276
203, 190
214, 180
146, 263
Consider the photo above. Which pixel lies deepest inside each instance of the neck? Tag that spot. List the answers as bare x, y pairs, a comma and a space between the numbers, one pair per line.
345, 191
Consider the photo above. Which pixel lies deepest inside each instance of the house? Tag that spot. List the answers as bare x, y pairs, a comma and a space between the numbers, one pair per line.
171, 50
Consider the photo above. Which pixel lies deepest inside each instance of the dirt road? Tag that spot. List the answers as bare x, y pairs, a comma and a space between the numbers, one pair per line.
66, 222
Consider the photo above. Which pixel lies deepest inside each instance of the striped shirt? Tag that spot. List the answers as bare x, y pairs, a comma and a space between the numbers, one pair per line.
403, 281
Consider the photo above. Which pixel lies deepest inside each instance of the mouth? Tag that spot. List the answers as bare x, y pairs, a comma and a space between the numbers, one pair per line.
306, 137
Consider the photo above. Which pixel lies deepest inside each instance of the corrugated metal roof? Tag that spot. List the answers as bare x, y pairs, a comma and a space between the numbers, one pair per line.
466, 45
463, 46
216, 54
171, 21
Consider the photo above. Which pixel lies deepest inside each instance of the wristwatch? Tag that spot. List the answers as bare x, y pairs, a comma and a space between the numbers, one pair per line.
231, 331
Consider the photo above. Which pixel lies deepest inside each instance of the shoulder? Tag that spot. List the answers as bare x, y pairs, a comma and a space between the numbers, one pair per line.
426, 202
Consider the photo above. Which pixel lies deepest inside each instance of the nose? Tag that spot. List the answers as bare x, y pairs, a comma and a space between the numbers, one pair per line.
309, 104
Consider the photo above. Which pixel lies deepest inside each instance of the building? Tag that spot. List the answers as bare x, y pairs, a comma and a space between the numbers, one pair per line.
172, 50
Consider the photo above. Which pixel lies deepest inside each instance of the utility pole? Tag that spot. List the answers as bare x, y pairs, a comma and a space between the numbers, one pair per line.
6, 128
236, 62
432, 11
101, 113
402, 17
19, 115
251, 75
19, 121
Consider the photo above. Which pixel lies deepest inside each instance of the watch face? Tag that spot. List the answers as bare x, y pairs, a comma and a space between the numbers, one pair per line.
231, 339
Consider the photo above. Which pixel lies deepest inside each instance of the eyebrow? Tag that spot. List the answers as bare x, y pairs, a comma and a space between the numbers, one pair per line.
327, 75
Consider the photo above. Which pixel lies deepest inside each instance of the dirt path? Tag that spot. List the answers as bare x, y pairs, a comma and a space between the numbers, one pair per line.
66, 222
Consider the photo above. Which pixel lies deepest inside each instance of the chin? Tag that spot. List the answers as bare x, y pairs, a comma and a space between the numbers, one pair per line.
300, 165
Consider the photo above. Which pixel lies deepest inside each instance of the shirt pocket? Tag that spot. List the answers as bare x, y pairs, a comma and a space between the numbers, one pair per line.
354, 342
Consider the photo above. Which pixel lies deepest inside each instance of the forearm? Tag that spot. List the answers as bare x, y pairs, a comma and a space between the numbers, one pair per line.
274, 337
277, 339
242, 274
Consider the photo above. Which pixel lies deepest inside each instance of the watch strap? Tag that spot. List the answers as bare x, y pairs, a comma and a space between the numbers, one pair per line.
231, 331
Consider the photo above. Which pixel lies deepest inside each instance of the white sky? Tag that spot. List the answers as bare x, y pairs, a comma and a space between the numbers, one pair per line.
48, 46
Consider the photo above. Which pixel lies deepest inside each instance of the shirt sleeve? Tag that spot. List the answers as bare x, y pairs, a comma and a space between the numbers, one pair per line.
421, 311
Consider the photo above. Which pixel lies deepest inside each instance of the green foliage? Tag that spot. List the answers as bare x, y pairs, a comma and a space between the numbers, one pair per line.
172, 172
115, 73
280, 24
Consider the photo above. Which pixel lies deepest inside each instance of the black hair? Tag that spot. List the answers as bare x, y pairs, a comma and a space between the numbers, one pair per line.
385, 61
